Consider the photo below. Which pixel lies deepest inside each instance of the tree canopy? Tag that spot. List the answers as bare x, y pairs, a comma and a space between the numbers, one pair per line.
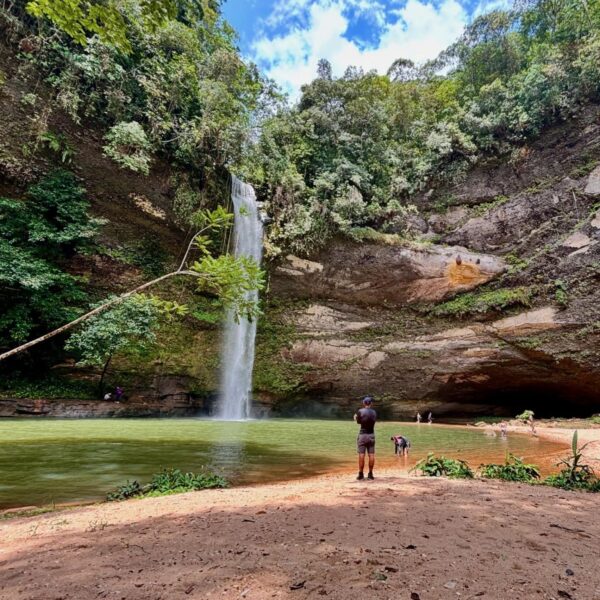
356, 149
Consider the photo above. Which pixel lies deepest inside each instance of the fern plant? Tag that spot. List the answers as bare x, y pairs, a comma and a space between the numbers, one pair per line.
434, 466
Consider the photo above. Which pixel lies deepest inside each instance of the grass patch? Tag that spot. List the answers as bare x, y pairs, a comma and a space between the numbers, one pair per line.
485, 207
169, 481
484, 302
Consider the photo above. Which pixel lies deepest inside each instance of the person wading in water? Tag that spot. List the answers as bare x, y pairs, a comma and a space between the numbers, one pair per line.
366, 418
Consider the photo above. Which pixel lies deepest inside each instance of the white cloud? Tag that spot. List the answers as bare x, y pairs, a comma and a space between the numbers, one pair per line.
284, 11
419, 31
486, 6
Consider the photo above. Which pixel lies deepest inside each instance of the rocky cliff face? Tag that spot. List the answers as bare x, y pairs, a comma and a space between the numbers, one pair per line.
494, 306
495, 310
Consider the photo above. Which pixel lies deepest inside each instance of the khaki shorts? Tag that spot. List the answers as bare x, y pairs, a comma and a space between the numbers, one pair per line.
365, 442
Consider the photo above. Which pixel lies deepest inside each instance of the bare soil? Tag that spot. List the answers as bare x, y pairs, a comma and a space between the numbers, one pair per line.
332, 537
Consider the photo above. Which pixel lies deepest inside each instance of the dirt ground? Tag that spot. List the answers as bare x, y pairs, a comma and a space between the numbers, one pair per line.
332, 537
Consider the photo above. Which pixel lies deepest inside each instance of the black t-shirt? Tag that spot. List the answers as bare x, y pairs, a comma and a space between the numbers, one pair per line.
366, 418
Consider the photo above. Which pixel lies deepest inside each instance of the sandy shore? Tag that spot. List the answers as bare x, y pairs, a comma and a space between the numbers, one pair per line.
331, 536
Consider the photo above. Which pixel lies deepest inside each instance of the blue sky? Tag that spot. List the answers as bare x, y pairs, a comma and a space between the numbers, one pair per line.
286, 38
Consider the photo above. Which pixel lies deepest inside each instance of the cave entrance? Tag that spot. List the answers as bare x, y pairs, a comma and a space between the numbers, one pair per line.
509, 393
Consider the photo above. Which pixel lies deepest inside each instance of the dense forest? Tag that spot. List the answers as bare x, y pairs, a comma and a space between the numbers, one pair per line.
355, 150
166, 91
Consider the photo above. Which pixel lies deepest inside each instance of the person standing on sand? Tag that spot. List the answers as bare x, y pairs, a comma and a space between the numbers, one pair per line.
430, 418
531, 424
365, 443
418, 417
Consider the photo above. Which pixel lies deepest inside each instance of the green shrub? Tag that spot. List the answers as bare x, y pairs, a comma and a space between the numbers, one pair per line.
513, 469
123, 492
575, 475
525, 416
128, 145
168, 481
50, 386
561, 294
434, 466
584, 479
37, 236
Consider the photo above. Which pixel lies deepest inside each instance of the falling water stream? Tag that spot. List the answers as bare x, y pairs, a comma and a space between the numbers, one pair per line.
238, 345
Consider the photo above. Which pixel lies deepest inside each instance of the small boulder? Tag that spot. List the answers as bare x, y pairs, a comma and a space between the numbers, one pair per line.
577, 240
593, 184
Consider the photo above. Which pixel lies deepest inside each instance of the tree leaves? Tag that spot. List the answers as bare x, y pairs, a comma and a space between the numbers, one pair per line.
36, 235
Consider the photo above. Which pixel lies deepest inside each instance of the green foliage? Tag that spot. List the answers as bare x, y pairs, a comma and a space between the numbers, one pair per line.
163, 76
434, 466
525, 416
131, 489
485, 207
595, 419
58, 144
27, 385
81, 19
356, 148
37, 234
484, 302
129, 146
561, 294
232, 280
516, 264
575, 475
273, 373
207, 310
147, 254
128, 327
169, 481
513, 469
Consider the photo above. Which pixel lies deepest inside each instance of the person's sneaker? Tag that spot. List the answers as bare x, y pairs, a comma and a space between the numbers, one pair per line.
370, 475
361, 475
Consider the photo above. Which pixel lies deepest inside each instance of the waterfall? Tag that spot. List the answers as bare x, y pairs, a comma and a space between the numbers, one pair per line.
238, 345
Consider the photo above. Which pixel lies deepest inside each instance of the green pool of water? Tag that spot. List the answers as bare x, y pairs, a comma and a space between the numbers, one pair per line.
57, 461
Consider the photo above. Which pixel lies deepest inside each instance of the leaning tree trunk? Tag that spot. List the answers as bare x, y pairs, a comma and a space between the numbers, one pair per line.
101, 382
